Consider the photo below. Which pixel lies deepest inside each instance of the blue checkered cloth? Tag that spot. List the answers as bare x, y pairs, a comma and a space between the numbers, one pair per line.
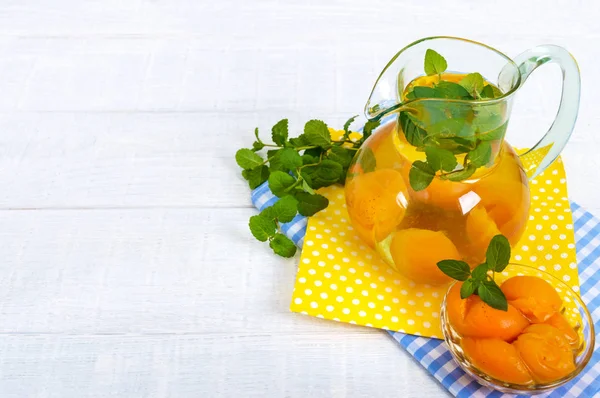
433, 354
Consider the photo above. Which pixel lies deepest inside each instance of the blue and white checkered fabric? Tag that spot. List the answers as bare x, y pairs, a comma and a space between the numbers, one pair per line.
433, 354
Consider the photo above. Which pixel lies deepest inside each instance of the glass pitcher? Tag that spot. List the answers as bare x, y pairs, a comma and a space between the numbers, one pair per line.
437, 180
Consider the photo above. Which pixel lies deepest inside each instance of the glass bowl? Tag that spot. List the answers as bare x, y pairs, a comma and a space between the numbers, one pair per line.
574, 309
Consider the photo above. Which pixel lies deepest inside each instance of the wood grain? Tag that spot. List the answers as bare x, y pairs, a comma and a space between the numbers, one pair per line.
127, 266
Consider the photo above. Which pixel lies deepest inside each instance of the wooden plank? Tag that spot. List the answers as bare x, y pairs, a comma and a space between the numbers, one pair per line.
226, 365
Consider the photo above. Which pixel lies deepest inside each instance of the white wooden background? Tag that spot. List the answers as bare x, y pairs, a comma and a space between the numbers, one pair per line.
127, 269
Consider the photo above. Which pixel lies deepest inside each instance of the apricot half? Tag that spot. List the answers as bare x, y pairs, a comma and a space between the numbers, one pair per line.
497, 358
560, 323
377, 199
416, 253
472, 317
546, 352
533, 296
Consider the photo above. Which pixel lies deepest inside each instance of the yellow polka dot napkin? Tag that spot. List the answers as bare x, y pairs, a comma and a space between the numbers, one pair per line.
342, 279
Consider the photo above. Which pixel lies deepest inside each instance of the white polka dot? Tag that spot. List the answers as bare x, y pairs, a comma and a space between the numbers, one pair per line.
531, 237
324, 245
324, 295
329, 308
354, 254
358, 282
349, 289
419, 313
371, 305
557, 267
547, 237
538, 227
537, 209
343, 278
427, 304
352, 270
573, 265
315, 253
373, 285
378, 316
330, 256
566, 278
302, 280
327, 274
525, 248
298, 300
542, 268
545, 217
362, 313
403, 310
336, 267
562, 236
569, 226
355, 301
564, 255
540, 247
554, 227
305, 260
333, 239
404, 292
532, 258
576, 288
333, 286
352, 322
435, 314
346, 311
518, 257
318, 283
312, 228
548, 256
395, 319
346, 259
410, 322
435, 294
314, 304
365, 293
339, 299
394, 300
411, 302
339, 249
427, 325
309, 243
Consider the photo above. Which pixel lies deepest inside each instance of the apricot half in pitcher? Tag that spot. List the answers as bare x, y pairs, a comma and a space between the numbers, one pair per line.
416, 253
376, 198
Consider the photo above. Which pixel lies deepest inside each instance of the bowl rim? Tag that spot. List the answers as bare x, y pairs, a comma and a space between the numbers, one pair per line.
523, 388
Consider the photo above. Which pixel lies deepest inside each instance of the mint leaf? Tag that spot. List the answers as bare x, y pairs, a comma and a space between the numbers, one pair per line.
455, 269
347, 127
440, 159
316, 133
340, 155
426, 92
274, 161
323, 174
257, 146
256, 176
279, 132
414, 135
455, 127
473, 83
262, 228
283, 246
370, 126
460, 175
468, 288
451, 90
487, 92
280, 182
299, 141
284, 210
494, 134
308, 204
367, 160
491, 294
420, 175
247, 159
497, 255
290, 159
307, 187
434, 63
479, 273
481, 155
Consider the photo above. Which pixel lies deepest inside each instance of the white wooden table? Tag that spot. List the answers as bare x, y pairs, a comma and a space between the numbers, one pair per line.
127, 268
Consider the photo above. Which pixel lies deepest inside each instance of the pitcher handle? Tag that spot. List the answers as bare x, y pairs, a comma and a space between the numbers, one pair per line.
542, 154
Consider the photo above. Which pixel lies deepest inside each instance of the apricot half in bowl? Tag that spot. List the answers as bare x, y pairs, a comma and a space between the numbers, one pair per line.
543, 341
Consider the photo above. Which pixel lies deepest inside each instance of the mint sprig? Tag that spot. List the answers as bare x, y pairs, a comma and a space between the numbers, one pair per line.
479, 281
445, 130
296, 167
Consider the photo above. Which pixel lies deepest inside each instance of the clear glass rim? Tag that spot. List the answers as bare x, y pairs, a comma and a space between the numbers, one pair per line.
471, 102
536, 388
